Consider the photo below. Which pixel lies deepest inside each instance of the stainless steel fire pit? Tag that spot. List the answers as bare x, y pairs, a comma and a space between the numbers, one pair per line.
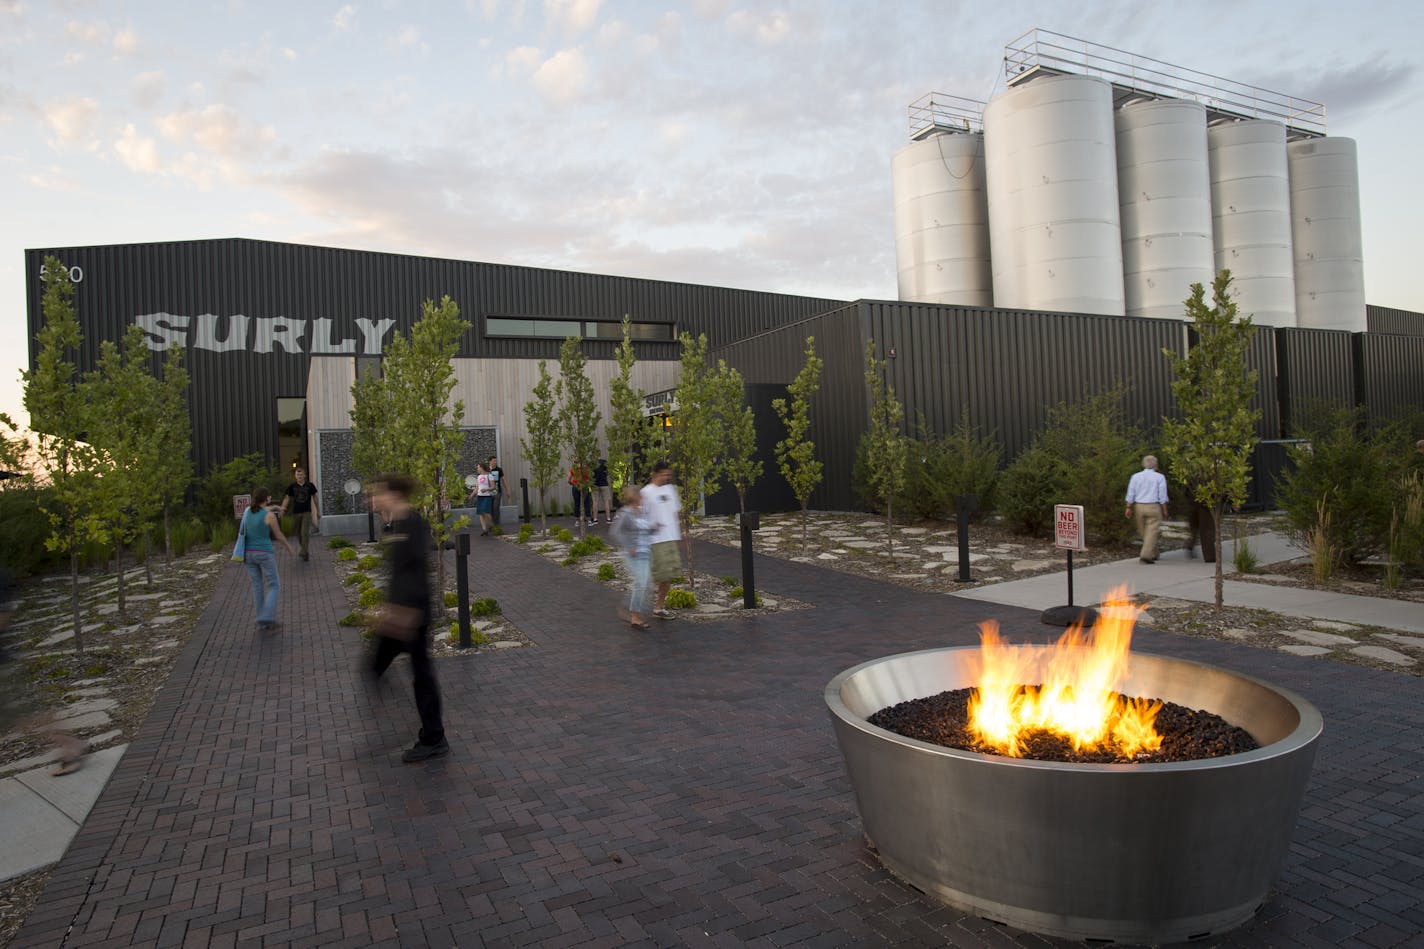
1145, 853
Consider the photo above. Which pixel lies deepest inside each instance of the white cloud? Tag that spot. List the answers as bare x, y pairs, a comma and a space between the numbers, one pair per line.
345, 18
563, 77
52, 179
138, 152
571, 16
13, 8
289, 54
73, 58
710, 9
523, 60
768, 28
408, 38
147, 88
218, 129
126, 42
95, 32
73, 121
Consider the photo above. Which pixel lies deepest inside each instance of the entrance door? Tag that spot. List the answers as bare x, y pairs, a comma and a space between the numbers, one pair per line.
292, 436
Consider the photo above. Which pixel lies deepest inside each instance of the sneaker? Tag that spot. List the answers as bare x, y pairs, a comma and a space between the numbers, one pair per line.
663, 614
420, 752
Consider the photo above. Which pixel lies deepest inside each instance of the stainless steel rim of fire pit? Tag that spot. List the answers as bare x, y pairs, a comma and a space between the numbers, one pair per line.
1143, 853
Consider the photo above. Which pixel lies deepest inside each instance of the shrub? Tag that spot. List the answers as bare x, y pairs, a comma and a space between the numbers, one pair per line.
338, 543
738, 592
347, 554
583, 548
1100, 449
238, 476
368, 562
22, 542
184, 533
370, 596
1029, 488
357, 577
568, 561
477, 638
1406, 529
526, 531
605, 571
352, 619
451, 600
564, 534
1244, 557
730, 581
939, 468
485, 606
497, 531
222, 534
681, 600
1338, 499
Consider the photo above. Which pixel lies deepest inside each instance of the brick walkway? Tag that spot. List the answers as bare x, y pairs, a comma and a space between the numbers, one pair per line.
605, 787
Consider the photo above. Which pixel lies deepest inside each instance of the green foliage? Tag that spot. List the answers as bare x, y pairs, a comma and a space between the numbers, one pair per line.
578, 415
541, 439
1210, 445
347, 553
1244, 557
451, 600
1099, 449
737, 592
370, 597
678, 599
185, 534
485, 606
368, 562
885, 442
526, 531
1338, 499
352, 619
731, 581
1028, 489
338, 543
238, 476
938, 469
222, 534
605, 571
477, 638
796, 453
497, 531
627, 428
563, 534
589, 545
568, 561
354, 578
22, 542
1405, 546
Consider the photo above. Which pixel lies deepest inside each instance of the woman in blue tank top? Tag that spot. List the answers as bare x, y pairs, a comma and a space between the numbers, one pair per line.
260, 525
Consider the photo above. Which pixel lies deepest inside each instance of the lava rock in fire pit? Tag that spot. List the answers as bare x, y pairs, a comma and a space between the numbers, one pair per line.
1187, 734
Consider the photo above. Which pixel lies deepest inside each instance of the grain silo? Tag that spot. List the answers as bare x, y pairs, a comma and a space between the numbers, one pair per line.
1251, 217
1164, 190
1054, 236
942, 220
1325, 234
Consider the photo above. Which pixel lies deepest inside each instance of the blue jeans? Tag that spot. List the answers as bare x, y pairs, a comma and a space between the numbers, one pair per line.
640, 568
262, 568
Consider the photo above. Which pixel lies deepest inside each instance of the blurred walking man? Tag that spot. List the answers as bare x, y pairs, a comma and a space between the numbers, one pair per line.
662, 506
1147, 504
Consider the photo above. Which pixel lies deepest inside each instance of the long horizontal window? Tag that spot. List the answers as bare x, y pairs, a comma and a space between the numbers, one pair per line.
554, 328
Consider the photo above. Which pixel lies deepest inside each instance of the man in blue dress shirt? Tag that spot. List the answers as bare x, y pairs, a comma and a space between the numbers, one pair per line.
1147, 504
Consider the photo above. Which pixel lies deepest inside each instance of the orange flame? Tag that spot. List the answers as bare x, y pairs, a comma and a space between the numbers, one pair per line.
1073, 695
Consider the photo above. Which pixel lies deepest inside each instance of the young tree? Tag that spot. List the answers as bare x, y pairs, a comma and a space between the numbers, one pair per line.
578, 417
796, 454
175, 438
1210, 444
405, 422
740, 464
541, 441
73, 467
889, 452
627, 426
696, 436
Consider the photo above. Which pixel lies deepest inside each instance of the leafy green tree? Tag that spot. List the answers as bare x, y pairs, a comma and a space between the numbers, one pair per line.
174, 470
63, 456
578, 416
372, 448
1210, 445
236, 476
422, 427
887, 443
696, 438
740, 464
541, 441
627, 427
796, 454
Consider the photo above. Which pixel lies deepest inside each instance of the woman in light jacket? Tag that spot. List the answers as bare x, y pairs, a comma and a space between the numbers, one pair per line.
631, 531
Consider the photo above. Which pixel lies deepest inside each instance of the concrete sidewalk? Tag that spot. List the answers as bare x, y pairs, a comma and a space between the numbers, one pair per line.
1173, 575
40, 813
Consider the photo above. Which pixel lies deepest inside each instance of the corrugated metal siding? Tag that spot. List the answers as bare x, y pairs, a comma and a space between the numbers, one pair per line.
1262, 358
1315, 368
838, 410
232, 393
1388, 319
1392, 374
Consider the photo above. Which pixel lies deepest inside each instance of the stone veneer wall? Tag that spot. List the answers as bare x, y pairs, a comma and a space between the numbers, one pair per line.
334, 450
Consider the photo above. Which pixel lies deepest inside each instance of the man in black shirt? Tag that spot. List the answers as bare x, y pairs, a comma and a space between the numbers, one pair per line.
497, 482
302, 496
405, 619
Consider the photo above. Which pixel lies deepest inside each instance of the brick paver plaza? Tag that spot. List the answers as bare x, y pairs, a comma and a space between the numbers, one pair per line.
607, 787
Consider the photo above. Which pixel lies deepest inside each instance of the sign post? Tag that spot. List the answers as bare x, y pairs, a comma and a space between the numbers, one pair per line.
1068, 535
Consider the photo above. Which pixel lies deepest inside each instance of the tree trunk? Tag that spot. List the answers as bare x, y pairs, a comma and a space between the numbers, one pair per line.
890, 529
686, 524
543, 521
74, 599
1216, 519
147, 560
741, 499
805, 524
119, 572
167, 537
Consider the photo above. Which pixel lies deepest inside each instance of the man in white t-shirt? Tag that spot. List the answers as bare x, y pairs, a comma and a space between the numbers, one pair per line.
662, 507
1147, 502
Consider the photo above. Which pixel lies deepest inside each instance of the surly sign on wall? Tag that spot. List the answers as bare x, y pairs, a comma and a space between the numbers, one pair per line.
239, 333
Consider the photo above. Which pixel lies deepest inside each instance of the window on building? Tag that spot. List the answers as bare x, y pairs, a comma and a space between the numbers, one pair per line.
555, 328
291, 435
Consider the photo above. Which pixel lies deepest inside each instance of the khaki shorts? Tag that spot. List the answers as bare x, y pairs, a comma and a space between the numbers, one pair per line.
667, 562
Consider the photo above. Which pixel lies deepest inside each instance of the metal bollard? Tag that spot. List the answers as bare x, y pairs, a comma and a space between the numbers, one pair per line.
462, 585
965, 505
750, 521
524, 490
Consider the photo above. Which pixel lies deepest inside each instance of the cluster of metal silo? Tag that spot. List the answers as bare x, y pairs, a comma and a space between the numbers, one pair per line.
1091, 201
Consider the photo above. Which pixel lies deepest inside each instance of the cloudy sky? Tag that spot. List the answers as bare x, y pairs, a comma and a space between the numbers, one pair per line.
725, 142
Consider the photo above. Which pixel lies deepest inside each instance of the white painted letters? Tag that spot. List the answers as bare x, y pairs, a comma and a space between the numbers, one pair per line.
162, 330
322, 342
375, 332
285, 332
205, 333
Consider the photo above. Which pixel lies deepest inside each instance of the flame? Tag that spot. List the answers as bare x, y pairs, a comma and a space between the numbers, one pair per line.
1074, 695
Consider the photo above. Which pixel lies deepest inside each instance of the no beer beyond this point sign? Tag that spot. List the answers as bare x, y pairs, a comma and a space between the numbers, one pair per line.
1068, 527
